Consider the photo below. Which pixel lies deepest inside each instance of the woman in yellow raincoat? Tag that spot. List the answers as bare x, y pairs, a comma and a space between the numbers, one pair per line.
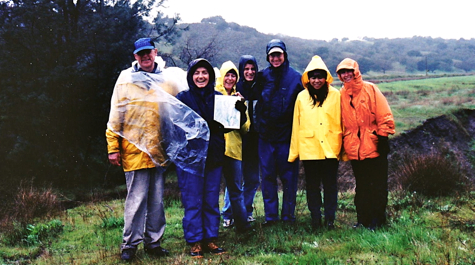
317, 139
232, 166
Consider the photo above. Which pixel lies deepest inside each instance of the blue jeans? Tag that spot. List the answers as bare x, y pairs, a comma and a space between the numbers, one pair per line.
232, 173
319, 172
200, 198
249, 186
144, 215
273, 162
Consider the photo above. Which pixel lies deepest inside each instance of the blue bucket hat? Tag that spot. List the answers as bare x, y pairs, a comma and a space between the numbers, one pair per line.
143, 44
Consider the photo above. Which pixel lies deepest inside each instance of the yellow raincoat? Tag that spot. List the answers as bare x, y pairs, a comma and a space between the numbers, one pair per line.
233, 138
148, 120
369, 116
150, 127
316, 131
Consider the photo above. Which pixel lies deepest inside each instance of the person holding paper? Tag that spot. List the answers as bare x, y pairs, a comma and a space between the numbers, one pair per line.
200, 193
232, 167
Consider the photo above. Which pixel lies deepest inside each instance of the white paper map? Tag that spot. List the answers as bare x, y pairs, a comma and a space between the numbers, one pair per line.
225, 112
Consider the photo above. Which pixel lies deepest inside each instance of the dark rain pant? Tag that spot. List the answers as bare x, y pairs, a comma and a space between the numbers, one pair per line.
273, 162
200, 198
319, 172
371, 196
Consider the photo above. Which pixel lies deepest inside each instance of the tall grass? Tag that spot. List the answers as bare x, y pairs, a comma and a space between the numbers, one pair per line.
432, 174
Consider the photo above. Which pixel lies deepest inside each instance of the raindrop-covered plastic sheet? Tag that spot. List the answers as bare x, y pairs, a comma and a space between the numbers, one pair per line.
145, 112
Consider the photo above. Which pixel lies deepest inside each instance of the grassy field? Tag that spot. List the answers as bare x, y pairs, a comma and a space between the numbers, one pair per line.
412, 102
421, 230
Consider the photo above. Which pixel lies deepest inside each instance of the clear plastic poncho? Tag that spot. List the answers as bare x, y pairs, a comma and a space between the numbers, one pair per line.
156, 122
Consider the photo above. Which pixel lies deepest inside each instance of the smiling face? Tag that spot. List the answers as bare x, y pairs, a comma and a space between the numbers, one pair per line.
146, 59
229, 81
276, 59
346, 75
317, 82
201, 77
249, 72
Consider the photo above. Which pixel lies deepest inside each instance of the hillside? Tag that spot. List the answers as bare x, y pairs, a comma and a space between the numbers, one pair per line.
220, 41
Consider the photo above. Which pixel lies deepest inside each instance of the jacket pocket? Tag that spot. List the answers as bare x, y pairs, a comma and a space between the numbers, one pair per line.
307, 133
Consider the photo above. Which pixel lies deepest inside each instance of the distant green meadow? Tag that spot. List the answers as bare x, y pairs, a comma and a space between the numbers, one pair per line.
414, 101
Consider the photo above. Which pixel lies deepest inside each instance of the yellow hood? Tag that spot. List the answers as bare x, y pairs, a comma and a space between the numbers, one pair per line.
316, 63
226, 67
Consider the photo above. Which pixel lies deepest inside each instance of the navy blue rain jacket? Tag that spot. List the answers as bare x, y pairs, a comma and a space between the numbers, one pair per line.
249, 89
201, 100
275, 106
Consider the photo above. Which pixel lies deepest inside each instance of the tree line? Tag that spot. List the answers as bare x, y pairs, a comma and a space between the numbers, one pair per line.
59, 60
416, 55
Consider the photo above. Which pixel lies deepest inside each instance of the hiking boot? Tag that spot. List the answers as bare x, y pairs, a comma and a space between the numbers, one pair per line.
157, 252
227, 223
196, 251
212, 248
250, 219
127, 254
330, 225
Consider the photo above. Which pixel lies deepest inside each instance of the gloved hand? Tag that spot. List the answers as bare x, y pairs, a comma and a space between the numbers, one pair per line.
383, 145
240, 106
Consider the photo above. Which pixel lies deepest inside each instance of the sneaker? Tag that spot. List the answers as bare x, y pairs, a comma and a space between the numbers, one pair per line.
127, 254
250, 219
157, 251
196, 251
214, 249
227, 223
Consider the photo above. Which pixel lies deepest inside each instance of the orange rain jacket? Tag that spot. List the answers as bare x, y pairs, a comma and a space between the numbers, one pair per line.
365, 114
316, 131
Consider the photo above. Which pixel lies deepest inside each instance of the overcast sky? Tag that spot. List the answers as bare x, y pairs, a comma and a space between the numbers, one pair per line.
325, 20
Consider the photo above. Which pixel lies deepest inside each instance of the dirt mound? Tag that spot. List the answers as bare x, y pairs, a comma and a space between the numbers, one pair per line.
452, 134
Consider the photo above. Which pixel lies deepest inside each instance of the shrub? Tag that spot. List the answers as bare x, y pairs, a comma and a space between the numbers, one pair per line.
31, 202
432, 174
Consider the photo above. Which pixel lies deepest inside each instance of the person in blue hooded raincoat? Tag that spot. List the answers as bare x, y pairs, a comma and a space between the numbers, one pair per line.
200, 192
274, 110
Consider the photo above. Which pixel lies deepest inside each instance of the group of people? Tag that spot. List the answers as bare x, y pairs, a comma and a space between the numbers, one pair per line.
285, 117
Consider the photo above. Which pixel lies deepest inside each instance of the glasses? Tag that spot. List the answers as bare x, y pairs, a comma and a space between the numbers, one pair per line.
143, 52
